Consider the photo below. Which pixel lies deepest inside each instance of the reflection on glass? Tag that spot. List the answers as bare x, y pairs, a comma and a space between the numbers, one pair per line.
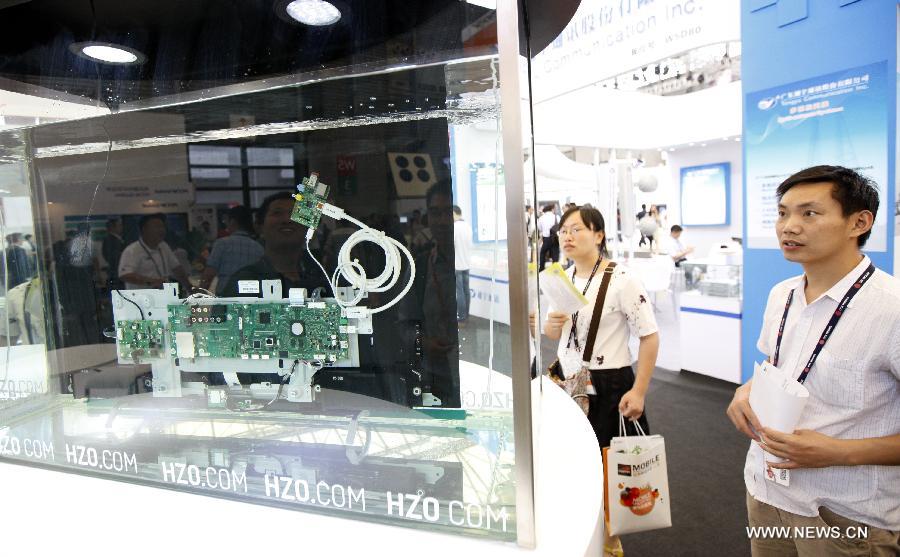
285, 311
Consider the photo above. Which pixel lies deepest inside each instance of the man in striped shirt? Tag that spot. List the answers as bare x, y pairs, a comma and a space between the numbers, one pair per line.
233, 252
838, 324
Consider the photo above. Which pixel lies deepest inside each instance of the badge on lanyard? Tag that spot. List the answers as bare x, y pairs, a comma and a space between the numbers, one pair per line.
780, 476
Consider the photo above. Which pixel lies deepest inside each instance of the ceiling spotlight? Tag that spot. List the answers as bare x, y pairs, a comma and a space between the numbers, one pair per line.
108, 53
316, 13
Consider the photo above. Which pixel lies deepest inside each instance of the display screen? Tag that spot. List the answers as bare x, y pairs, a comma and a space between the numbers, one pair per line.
705, 195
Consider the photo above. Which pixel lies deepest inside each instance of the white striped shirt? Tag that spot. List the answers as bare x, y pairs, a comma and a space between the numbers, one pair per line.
854, 390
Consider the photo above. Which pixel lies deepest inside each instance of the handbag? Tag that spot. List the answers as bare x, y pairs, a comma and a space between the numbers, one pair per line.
579, 386
636, 494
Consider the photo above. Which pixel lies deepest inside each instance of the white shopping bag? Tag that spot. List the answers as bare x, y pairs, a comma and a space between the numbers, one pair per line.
637, 483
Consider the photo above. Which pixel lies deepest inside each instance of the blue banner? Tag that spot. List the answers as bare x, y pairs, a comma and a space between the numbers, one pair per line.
839, 119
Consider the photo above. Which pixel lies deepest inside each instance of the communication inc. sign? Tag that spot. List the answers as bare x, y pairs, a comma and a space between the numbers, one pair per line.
608, 37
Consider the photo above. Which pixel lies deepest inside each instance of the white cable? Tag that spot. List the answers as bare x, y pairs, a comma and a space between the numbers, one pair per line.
355, 274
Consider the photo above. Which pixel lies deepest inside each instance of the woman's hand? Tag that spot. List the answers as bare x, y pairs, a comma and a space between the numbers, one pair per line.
555, 321
632, 404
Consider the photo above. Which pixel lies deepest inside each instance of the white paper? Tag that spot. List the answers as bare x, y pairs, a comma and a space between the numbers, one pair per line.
777, 400
556, 285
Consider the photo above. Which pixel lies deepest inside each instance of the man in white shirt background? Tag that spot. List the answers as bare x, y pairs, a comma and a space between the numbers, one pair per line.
462, 249
549, 240
675, 248
149, 262
842, 461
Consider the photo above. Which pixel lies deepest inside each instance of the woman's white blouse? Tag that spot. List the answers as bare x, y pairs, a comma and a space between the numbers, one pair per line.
627, 311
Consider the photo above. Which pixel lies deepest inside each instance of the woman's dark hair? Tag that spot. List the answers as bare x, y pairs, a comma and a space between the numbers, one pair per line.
593, 219
853, 191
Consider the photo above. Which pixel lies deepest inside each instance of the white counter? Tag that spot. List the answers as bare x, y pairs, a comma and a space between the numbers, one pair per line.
711, 335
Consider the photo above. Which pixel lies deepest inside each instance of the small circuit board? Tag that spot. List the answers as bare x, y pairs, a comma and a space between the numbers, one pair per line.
312, 331
140, 339
311, 195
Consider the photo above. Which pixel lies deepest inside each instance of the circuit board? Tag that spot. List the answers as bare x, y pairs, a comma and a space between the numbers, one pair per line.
310, 196
312, 331
137, 339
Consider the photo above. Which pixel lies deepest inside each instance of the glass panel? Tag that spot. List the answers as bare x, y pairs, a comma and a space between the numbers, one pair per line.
257, 156
205, 155
211, 177
342, 345
272, 178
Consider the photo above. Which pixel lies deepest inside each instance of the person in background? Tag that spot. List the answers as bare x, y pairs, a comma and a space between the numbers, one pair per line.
18, 264
149, 262
236, 250
112, 248
641, 214
423, 238
28, 244
432, 305
836, 330
626, 312
529, 231
547, 225
677, 250
462, 248
284, 255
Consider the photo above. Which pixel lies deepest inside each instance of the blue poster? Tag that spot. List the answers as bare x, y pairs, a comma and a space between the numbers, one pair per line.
705, 195
838, 119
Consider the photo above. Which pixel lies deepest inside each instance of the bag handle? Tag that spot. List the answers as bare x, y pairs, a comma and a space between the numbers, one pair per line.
595, 316
637, 426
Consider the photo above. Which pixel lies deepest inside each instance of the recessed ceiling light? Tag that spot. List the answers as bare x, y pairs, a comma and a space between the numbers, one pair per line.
108, 53
316, 13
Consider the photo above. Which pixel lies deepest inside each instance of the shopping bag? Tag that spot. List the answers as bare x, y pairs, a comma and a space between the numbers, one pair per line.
636, 498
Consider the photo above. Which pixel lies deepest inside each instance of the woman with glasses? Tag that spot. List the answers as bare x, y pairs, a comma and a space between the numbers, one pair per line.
626, 311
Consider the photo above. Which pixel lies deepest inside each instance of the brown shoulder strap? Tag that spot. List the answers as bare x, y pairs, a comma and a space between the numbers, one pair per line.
598, 309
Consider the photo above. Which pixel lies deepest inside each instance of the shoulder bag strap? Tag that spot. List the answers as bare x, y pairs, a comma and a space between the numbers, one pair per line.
598, 309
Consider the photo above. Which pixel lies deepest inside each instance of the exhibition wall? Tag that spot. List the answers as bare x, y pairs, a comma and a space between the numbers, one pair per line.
702, 238
790, 68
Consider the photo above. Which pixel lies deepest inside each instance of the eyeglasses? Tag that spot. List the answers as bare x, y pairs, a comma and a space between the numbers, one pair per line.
573, 230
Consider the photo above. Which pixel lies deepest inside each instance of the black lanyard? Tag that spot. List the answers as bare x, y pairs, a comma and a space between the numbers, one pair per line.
832, 323
162, 259
573, 333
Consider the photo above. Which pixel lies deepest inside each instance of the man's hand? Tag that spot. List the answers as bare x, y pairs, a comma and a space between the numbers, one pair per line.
632, 405
741, 414
804, 448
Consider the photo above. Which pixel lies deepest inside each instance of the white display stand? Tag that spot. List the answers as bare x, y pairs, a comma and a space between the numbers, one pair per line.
105, 517
716, 351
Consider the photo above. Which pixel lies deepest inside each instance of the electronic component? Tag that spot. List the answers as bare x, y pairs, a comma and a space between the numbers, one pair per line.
184, 343
311, 196
139, 339
314, 331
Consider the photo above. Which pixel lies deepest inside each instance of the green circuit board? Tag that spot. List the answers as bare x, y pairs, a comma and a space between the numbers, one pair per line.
310, 196
312, 331
137, 339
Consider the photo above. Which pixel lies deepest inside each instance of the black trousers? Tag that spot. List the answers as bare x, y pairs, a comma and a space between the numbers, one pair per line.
549, 251
603, 413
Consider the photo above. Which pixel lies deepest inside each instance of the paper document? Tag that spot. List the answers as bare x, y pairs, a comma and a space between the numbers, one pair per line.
556, 285
777, 400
